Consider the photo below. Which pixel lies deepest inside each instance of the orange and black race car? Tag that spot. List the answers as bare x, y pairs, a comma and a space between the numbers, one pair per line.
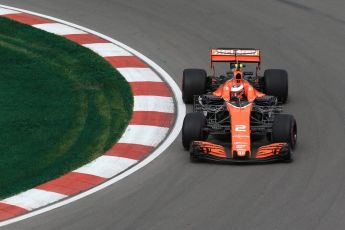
239, 106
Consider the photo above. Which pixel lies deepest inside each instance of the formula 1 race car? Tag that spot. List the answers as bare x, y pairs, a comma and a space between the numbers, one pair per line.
238, 118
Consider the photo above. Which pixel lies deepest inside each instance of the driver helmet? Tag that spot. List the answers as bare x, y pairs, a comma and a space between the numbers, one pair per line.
237, 90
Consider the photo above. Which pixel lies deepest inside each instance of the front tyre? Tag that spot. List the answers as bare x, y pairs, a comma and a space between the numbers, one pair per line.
193, 129
285, 129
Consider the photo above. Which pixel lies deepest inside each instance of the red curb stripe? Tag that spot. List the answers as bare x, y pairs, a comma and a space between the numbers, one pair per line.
72, 183
152, 118
126, 61
27, 18
7, 211
85, 38
150, 88
132, 151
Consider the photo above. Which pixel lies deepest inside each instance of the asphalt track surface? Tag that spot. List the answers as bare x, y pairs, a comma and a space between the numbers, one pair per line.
305, 37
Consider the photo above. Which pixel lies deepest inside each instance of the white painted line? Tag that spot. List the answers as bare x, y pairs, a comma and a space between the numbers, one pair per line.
107, 49
4, 11
154, 103
142, 135
33, 198
180, 113
139, 74
58, 29
106, 166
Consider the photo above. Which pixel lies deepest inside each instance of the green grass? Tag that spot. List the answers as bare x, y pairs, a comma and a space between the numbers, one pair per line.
61, 106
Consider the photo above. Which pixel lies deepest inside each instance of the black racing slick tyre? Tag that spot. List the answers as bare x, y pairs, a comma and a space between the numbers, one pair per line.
285, 129
193, 83
275, 83
193, 129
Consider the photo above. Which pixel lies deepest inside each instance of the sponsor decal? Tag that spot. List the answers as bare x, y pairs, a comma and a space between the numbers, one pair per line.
240, 146
235, 52
241, 136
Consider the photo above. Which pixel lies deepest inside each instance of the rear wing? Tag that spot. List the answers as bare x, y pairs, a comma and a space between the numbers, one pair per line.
235, 55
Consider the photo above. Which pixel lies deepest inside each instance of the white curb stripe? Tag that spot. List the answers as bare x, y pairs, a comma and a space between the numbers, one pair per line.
144, 135
106, 166
154, 103
107, 49
33, 198
139, 74
4, 11
58, 29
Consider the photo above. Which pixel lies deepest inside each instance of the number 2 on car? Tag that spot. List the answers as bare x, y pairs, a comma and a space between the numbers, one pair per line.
240, 128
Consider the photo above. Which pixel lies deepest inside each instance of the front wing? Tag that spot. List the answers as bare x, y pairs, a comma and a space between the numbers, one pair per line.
206, 151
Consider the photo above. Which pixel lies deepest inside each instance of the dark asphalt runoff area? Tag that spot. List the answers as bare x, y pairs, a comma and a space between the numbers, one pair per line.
307, 38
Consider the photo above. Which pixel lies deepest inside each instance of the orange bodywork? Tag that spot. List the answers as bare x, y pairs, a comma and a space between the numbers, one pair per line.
240, 129
239, 116
250, 92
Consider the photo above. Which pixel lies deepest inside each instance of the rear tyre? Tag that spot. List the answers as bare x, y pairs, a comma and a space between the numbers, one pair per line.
275, 83
285, 129
193, 83
193, 129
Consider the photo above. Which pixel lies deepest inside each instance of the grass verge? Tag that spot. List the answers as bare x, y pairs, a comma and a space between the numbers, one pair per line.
61, 106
